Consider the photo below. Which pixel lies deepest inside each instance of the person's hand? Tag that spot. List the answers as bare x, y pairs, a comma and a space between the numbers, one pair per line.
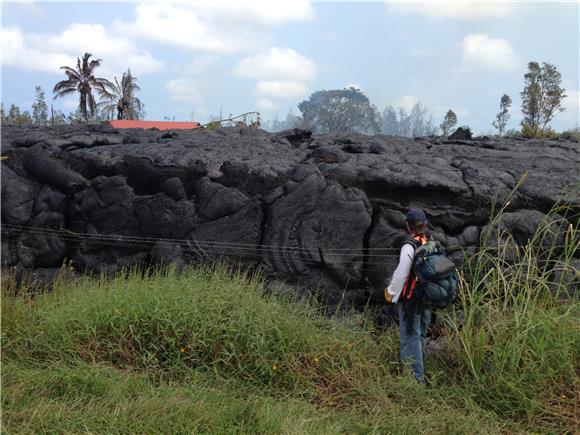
388, 296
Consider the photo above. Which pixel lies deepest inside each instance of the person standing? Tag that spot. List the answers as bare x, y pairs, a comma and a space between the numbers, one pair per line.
414, 318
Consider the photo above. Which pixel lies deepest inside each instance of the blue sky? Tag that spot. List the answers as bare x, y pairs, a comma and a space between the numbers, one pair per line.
192, 57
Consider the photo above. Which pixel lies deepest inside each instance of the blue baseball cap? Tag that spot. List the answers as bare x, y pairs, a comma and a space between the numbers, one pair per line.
415, 215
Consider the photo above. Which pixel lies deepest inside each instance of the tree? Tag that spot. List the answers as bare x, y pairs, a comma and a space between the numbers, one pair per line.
448, 122
120, 97
541, 98
417, 119
76, 117
405, 127
390, 124
58, 118
430, 127
83, 81
16, 117
421, 121
39, 108
291, 121
25, 118
340, 111
13, 114
503, 115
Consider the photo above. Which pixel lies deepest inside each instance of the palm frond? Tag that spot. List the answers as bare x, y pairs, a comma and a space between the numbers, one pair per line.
64, 93
94, 64
65, 84
71, 73
65, 87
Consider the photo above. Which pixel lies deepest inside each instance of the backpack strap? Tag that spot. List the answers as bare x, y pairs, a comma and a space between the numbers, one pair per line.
415, 242
409, 282
412, 305
411, 241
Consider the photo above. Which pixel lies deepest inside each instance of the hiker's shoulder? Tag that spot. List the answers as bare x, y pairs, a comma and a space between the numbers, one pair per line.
408, 243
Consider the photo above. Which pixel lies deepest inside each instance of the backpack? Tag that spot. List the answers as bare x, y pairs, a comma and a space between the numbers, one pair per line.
433, 278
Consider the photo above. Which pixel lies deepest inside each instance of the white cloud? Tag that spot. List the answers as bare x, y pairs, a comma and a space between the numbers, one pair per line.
406, 102
280, 72
201, 63
16, 52
480, 52
264, 11
283, 89
48, 52
180, 25
454, 9
277, 63
184, 90
219, 26
266, 104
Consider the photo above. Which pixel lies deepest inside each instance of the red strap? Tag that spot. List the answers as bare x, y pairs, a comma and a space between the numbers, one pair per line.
421, 238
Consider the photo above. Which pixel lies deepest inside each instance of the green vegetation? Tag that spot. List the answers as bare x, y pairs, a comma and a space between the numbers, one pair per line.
542, 99
340, 111
448, 122
518, 331
120, 98
209, 350
503, 115
81, 79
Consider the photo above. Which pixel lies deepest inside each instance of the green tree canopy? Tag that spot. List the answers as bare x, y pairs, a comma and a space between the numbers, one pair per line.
448, 122
541, 98
340, 111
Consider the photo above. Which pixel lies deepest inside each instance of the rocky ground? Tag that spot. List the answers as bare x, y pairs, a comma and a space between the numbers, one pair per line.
320, 211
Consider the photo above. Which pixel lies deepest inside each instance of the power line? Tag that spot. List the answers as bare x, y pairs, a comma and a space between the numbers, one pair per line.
17, 229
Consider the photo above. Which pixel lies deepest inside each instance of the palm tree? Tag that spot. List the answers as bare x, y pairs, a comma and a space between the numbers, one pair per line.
121, 97
83, 81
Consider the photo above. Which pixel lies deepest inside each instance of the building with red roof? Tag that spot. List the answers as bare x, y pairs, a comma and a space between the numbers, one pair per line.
159, 125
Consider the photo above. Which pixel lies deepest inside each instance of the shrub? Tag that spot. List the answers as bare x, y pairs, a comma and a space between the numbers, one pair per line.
532, 132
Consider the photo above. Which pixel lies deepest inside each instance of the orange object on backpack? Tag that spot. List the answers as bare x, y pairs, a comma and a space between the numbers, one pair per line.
409, 287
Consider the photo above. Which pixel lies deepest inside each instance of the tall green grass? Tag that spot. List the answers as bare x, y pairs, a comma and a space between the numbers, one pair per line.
516, 333
169, 322
95, 355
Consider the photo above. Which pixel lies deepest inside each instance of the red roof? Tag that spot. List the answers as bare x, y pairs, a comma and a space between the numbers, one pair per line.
160, 125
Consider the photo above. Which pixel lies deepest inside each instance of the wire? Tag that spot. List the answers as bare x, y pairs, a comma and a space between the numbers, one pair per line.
327, 251
206, 248
221, 250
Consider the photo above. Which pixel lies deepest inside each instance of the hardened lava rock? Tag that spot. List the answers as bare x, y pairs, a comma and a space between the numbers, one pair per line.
326, 211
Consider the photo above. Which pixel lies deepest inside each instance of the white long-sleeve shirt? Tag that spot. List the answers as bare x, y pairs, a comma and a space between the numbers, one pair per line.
401, 272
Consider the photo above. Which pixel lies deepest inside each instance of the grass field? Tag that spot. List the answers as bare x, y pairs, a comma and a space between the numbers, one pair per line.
208, 350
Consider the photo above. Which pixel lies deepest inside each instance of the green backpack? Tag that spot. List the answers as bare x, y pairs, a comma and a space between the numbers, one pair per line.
435, 276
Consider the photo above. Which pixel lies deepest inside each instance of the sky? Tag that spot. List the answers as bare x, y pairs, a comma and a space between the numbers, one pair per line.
200, 58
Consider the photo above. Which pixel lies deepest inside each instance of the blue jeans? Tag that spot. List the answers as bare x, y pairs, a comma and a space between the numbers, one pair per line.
413, 346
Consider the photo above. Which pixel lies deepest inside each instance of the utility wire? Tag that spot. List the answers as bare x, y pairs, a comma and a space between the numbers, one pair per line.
216, 244
205, 248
